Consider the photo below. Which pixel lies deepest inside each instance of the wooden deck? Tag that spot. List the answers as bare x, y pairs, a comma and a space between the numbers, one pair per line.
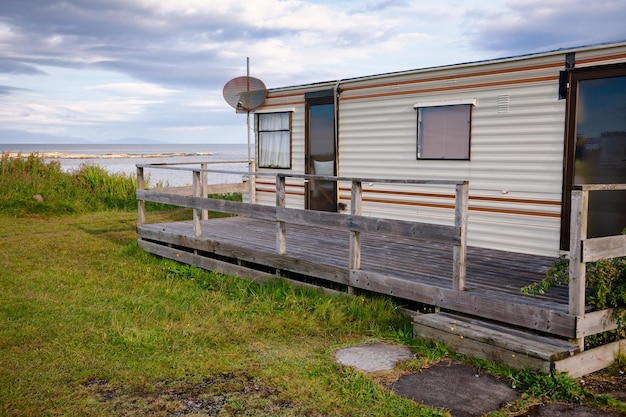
477, 290
409, 269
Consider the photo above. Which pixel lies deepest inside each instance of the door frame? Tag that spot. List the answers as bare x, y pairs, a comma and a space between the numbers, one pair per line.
322, 97
574, 77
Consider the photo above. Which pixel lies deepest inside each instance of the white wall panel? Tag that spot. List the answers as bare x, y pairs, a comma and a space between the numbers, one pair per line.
517, 143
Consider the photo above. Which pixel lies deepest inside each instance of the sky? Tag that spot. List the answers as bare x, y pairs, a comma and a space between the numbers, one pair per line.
111, 71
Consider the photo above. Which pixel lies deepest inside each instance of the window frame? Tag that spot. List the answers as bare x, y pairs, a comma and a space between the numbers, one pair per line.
419, 107
259, 133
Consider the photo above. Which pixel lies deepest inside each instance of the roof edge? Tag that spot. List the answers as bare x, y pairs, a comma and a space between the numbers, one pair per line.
564, 50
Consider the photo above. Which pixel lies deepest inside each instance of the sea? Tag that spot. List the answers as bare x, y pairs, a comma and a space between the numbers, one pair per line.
124, 158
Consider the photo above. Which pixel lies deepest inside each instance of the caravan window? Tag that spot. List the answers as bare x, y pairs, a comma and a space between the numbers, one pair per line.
274, 140
443, 132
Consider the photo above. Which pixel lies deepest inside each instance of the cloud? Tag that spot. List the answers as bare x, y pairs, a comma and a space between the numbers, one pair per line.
9, 66
539, 25
156, 65
6, 90
134, 89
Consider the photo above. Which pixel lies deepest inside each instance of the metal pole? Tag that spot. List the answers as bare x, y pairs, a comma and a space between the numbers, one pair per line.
251, 199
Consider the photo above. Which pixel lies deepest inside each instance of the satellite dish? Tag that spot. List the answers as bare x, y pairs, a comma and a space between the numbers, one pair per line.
244, 93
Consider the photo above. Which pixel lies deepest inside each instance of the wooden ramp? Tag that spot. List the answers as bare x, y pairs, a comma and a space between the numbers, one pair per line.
488, 340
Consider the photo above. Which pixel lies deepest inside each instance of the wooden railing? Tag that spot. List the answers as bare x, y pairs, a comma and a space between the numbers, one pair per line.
200, 185
355, 222
583, 250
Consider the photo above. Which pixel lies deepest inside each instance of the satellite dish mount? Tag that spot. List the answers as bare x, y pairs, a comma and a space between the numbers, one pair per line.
245, 94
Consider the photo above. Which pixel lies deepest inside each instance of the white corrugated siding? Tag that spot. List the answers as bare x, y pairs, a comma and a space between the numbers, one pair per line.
517, 140
516, 155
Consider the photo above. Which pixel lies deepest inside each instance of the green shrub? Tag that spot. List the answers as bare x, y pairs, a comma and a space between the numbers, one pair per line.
606, 284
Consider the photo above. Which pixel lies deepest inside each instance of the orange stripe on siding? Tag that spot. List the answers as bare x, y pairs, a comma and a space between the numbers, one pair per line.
451, 196
458, 76
550, 65
408, 203
523, 212
481, 209
516, 200
601, 59
454, 87
289, 103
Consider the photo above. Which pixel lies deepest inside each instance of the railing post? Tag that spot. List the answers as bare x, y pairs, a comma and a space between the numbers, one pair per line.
197, 213
460, 249
141, 203
577, 268
252, 181
281, 242
356, 209
205, 213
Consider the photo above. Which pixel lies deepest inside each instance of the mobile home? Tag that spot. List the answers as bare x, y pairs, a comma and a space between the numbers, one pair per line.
451, 187
522, 130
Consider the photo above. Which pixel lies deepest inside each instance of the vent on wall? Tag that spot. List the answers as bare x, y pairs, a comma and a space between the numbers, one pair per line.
503, 103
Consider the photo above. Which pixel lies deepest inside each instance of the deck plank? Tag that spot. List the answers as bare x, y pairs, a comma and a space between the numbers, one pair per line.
324, 253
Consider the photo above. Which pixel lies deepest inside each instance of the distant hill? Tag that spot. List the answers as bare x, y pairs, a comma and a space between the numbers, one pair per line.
18, 136
21, 137
136, 141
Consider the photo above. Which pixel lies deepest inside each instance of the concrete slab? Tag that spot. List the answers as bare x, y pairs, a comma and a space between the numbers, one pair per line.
457, 388
373, 357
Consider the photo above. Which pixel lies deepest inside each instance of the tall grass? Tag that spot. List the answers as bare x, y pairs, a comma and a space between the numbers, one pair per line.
32, 185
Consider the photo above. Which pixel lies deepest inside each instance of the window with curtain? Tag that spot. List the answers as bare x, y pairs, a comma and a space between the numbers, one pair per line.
443, 132
274, 140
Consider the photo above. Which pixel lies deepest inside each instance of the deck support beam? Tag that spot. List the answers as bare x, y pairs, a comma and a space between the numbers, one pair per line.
204, 178
197, 213
281, 242
577, 268
460, 249
356, 209
141, 185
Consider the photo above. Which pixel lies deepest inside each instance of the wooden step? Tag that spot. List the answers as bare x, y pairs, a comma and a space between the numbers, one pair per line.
487, 340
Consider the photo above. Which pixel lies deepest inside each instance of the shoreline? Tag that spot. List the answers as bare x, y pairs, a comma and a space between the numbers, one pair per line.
62, 155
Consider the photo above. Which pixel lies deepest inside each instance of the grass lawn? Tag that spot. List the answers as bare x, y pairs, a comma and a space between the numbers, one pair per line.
91, 325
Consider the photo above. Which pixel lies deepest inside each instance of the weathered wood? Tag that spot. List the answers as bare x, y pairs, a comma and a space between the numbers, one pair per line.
421, 268
354, 223
603, 248
530, 344
578, 232
599, 187
141, 185
487, 340
281, 243
225, 267
591, 360
243, 251
256, 211
204, 262
356, 204
303, 176
252, 182
239, 187
469, 302
484, 350
197, 213
595, 322
460, 248
204, 180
